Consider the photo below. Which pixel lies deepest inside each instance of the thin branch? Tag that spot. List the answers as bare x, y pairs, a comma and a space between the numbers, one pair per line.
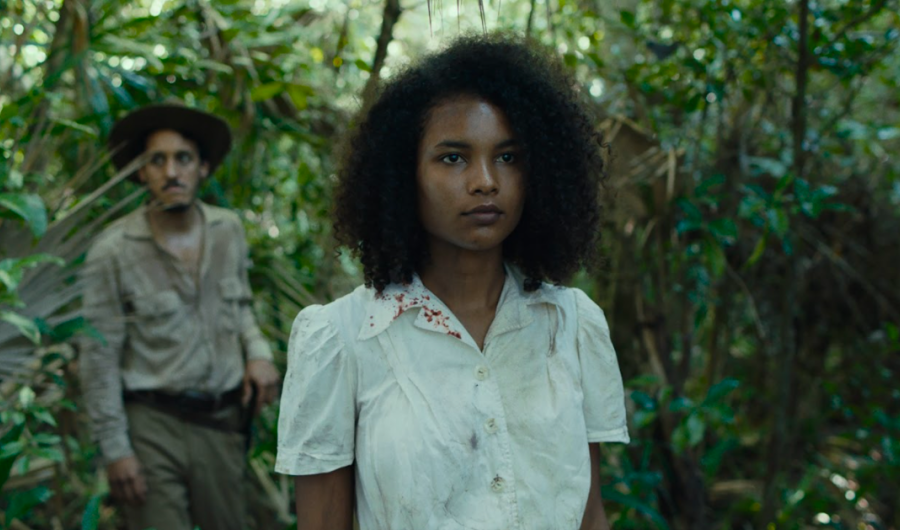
342, 39
392, 11
798, 102
876, 8
876, 292
530, 19
754, 312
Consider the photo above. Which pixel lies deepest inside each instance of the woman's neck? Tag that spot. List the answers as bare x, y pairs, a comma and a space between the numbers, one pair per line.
465, 281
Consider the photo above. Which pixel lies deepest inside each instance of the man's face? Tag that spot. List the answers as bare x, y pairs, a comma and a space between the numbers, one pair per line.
174, 171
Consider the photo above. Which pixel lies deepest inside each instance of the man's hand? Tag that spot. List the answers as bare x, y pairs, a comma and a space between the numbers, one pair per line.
126, 481
263, 375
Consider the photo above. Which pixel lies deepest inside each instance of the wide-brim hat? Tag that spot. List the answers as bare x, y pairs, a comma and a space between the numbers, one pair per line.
128, 136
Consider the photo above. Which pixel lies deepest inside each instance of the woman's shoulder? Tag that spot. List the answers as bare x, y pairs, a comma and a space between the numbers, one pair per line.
340, 312
574, 302
591, 318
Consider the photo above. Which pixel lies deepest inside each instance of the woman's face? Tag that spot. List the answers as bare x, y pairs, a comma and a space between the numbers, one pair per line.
470, 175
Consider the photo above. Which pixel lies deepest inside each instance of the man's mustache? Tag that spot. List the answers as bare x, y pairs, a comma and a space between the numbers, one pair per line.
173, 184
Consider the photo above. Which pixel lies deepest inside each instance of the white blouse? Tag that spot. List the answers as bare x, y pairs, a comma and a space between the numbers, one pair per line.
446, 436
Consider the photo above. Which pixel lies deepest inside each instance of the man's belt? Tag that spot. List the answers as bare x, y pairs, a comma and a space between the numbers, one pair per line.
186, 402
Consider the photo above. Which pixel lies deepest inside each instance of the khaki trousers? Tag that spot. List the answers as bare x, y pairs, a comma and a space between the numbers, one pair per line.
194, 474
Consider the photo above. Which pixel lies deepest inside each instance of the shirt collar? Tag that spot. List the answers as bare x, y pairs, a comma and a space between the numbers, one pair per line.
386, 307
138, 227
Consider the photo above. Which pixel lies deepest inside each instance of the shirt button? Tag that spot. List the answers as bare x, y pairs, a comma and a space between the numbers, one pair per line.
490, 426
498, 485
482, 372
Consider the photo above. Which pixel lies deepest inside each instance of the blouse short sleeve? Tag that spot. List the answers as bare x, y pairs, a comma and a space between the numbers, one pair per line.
601, 381
317, 416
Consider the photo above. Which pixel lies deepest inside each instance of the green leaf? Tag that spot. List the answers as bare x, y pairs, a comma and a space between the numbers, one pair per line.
643, 400
690, 209
681, 403
713, 458
758, 251
90, 518
266, 91
12, 269
362, 65
688, 225
720, 390
21, 503
707, 184
6, 463
642, 381
43, 415
636, 503
26, 327
724, 230
46, 438
893, 333
627, 18
715, 258
26, 397
643, 418
68, 329
76, 126
778, 221
298, 95
783, 183
49, 453
772, 166
888, 133
29, 207
696, 428
11, 449
22, 465
214, 65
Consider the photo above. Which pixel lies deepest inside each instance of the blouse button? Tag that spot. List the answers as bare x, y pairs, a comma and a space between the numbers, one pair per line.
490, 426
498, 485
481, 372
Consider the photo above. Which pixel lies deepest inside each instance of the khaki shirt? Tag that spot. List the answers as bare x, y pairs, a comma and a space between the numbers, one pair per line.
163, 329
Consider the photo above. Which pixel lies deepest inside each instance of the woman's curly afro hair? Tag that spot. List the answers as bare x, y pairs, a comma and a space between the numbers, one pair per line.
376, 212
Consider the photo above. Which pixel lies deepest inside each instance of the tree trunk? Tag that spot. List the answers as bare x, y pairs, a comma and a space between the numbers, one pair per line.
787, 336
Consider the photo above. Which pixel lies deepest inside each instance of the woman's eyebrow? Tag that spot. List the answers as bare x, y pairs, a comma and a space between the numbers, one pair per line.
457, 144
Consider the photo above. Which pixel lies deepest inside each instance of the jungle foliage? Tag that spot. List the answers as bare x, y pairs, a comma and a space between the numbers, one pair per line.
751, 240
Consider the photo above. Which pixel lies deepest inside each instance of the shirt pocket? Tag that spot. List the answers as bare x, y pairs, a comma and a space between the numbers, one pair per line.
234, 294
159, 318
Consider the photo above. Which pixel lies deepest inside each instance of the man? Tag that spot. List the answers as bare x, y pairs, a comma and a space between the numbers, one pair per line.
167, 288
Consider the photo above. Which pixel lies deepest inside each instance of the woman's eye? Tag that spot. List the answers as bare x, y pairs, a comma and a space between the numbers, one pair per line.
452, 158
507, 158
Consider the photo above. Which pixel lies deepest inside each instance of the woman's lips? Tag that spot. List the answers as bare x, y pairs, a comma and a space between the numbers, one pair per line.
484, 215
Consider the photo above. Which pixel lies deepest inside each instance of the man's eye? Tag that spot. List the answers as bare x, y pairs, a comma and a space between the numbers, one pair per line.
158, 160
508, 158
185, 158
452, 158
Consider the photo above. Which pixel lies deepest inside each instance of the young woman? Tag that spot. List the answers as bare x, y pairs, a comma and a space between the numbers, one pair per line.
461, 387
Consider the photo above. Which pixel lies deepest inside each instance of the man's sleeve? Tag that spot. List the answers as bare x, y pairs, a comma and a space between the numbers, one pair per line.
100, 358
252, 339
